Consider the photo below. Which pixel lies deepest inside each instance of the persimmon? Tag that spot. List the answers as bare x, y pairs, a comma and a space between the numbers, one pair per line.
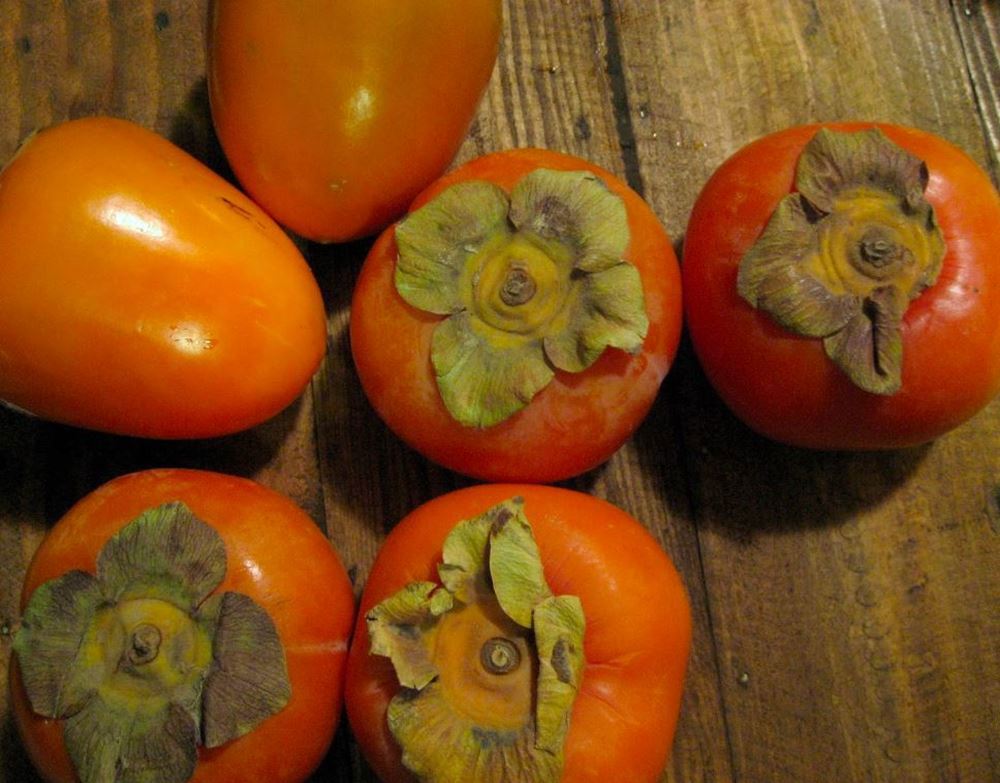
517, 324
186, 626
518, 633
841, 285
335, 115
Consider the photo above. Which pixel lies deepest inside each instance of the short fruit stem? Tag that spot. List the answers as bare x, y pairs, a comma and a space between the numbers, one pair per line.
878, 254
519, 286
144, 644
499, 655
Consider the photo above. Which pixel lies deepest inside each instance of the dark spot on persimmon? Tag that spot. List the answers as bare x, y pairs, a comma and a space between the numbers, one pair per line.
995, 511
488, 740
560, 661
244, 213
236, 208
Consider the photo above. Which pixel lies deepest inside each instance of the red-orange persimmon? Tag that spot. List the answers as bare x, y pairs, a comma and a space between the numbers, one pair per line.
580, 418
635, 643
276, 556
784, 385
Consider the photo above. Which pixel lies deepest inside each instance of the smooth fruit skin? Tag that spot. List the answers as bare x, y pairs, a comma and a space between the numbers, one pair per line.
782, 385
334, 115
142, 294
574, 424
636, 643
278, 557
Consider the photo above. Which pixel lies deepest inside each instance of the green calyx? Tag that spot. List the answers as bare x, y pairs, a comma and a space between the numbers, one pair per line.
842, 258
530, 283
490, 660
142, 661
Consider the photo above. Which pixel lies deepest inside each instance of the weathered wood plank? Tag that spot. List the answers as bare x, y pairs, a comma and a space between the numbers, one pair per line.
22, 500
843, 588
978, 25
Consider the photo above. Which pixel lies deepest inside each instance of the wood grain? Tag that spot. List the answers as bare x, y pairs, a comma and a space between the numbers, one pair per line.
844, 604
978, 24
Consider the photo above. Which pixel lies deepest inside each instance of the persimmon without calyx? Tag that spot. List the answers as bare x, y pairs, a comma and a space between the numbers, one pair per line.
335, 115
142, 294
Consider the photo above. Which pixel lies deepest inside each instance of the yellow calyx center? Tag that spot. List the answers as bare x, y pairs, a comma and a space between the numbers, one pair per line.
483, 659
149, 648
868, 241
517, 286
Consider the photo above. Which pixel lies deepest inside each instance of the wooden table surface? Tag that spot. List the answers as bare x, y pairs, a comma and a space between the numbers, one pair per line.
846, 623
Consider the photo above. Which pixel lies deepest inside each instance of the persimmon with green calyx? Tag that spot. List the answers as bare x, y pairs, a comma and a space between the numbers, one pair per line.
181, 625
518, 322
142, 294
518, 633
840, 289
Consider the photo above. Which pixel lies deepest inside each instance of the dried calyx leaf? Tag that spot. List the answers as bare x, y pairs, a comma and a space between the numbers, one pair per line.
142, 661
249, 682
489, 660
844, 255
530, 284
162, 555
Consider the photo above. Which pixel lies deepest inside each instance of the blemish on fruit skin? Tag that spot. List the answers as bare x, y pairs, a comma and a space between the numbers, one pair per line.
244, 213
161, 21
24, 44
189, 338
866, 595
236, 208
